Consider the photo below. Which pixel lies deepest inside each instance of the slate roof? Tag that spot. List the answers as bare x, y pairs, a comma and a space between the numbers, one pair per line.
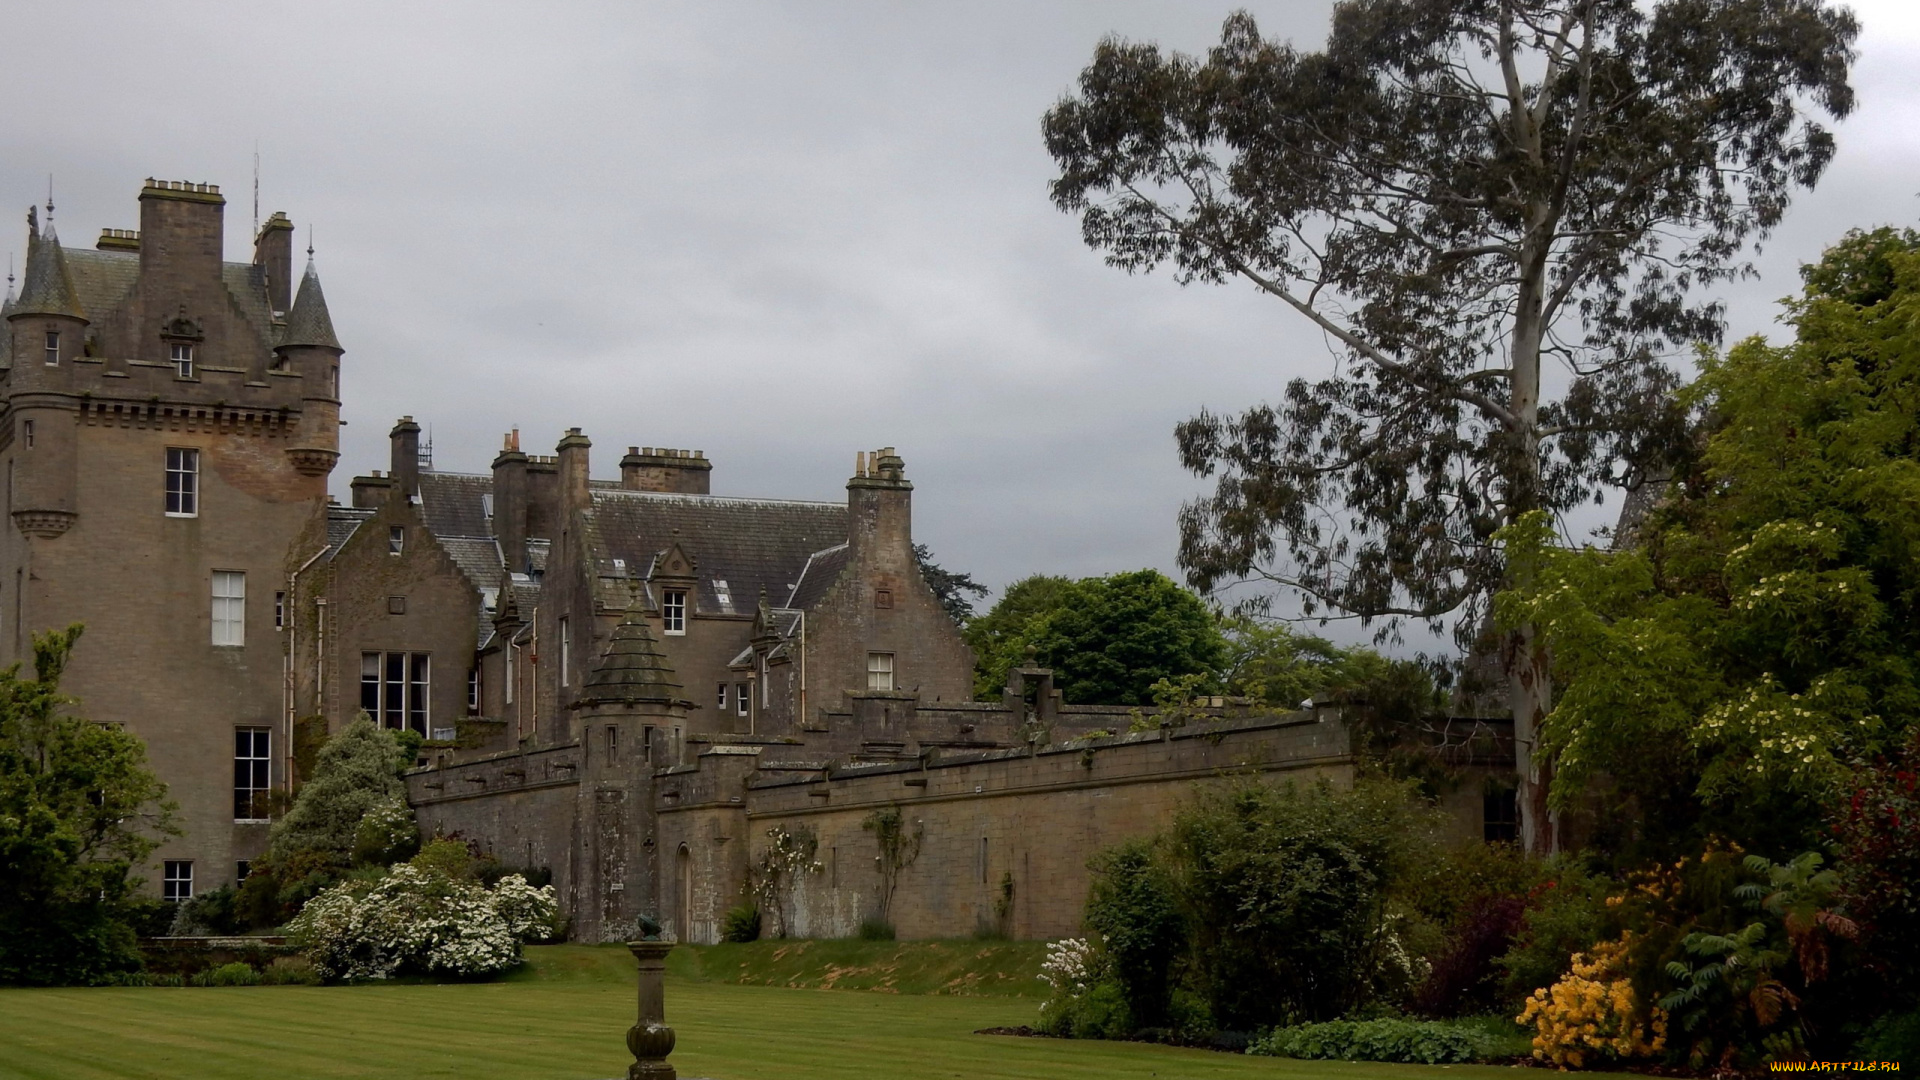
307, 321
47, 286
480, 560
103, 281
632, 669
822, 570
750, 544
342, 523
455, 505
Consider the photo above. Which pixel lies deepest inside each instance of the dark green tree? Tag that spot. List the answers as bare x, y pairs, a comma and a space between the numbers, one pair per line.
1479, 203
950, 588
1135, 908
79, 809
998, 637
1114, 637
1761, 636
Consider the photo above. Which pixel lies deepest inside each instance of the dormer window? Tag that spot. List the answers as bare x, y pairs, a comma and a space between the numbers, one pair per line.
673, 610
396, 539
182, 353
53, 348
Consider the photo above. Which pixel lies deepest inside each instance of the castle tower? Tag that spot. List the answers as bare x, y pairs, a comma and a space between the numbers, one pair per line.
631, 710
167, 423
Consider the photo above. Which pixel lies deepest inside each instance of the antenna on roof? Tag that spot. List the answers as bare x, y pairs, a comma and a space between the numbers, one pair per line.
256, 187
49, 200
309, 241
425, 454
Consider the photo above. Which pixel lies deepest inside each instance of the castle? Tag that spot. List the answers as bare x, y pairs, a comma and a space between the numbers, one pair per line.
636, 684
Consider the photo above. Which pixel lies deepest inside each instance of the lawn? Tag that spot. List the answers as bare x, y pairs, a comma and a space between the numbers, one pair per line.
564, 1018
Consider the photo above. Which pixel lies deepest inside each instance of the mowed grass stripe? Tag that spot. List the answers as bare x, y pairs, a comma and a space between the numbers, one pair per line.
558, 1031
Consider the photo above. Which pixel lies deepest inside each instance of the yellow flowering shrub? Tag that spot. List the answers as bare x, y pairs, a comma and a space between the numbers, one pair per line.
1593, 1013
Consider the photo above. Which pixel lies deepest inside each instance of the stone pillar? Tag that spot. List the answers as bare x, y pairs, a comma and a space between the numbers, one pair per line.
650, 1039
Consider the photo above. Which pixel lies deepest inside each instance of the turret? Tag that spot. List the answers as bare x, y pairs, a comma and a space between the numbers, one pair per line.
309, 349
49, 331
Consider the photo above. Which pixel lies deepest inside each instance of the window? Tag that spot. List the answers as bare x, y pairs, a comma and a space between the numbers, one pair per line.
883, 598
673, 610
740, 698
613, 742
1500, 817
723, 696
396, 539
646, 744
723, 593
566, 652
879, 671
252, 772
513, 670
473, 691
176, 880
396, 605
182, 359
26, 433
53, 347
241, 869
395, 689
279, 611
983, 860
229, 607
183, 482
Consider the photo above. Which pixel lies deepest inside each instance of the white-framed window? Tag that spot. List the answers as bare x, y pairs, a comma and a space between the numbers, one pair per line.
742, 698
183, 481
252, 772
26, 433
53, 348
229, 607
879, 671
182, 354
723, 592
176, 880
722, 694
396, 539
673, 610
566, 652
279, 611
395, 689
473, 690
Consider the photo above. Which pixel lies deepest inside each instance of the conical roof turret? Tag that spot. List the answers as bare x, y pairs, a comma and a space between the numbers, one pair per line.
48, 286
308, 322
632, 669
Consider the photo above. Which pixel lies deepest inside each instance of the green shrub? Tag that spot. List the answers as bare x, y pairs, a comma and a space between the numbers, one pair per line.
1133, 906
211, 913
1565, 915
1415, 1041
234, 974
874, 928
1100, 1013
1894, 1038
290, 971
741, 924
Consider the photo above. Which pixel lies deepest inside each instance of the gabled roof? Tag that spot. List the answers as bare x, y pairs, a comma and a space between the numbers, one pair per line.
822, 570
342, 523
751, 544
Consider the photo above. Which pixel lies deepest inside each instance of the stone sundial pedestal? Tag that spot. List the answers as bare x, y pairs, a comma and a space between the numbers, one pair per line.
650, 1039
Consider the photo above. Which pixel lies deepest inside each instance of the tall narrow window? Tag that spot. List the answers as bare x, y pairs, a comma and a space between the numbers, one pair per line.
279, 611
396, 539
879, 671
673, 610
396, 690
983, 860
229, 607
613, 743
646, 745
183, 482
742, 696
26, 433
176, 880
182, 359
566, 652
252, 772
1500, 816
513, 670
53, 347
473, 690
723, 697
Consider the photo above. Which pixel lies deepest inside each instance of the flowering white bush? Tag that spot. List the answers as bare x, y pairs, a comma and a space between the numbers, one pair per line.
415, 920
1086, 1001
1070, 966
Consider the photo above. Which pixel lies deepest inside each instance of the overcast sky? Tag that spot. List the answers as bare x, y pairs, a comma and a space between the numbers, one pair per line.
777, 232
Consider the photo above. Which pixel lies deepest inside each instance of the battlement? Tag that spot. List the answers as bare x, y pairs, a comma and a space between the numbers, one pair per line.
118, 240
182, 189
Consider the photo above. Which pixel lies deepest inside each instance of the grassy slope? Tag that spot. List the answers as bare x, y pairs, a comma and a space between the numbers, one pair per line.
563, 1020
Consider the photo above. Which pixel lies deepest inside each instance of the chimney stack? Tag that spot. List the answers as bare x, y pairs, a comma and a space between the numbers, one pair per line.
273, 253
687, 472
572, 453
510, 503
880, 511
405, 467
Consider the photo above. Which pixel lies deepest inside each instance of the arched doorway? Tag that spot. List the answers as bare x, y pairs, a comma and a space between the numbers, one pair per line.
683, 873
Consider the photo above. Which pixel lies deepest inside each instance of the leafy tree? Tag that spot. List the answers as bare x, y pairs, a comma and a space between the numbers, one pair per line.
998, 638
1135, 909
952, 589
353, 812
78, 810
1765, 631
1459, 196
1114, 637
